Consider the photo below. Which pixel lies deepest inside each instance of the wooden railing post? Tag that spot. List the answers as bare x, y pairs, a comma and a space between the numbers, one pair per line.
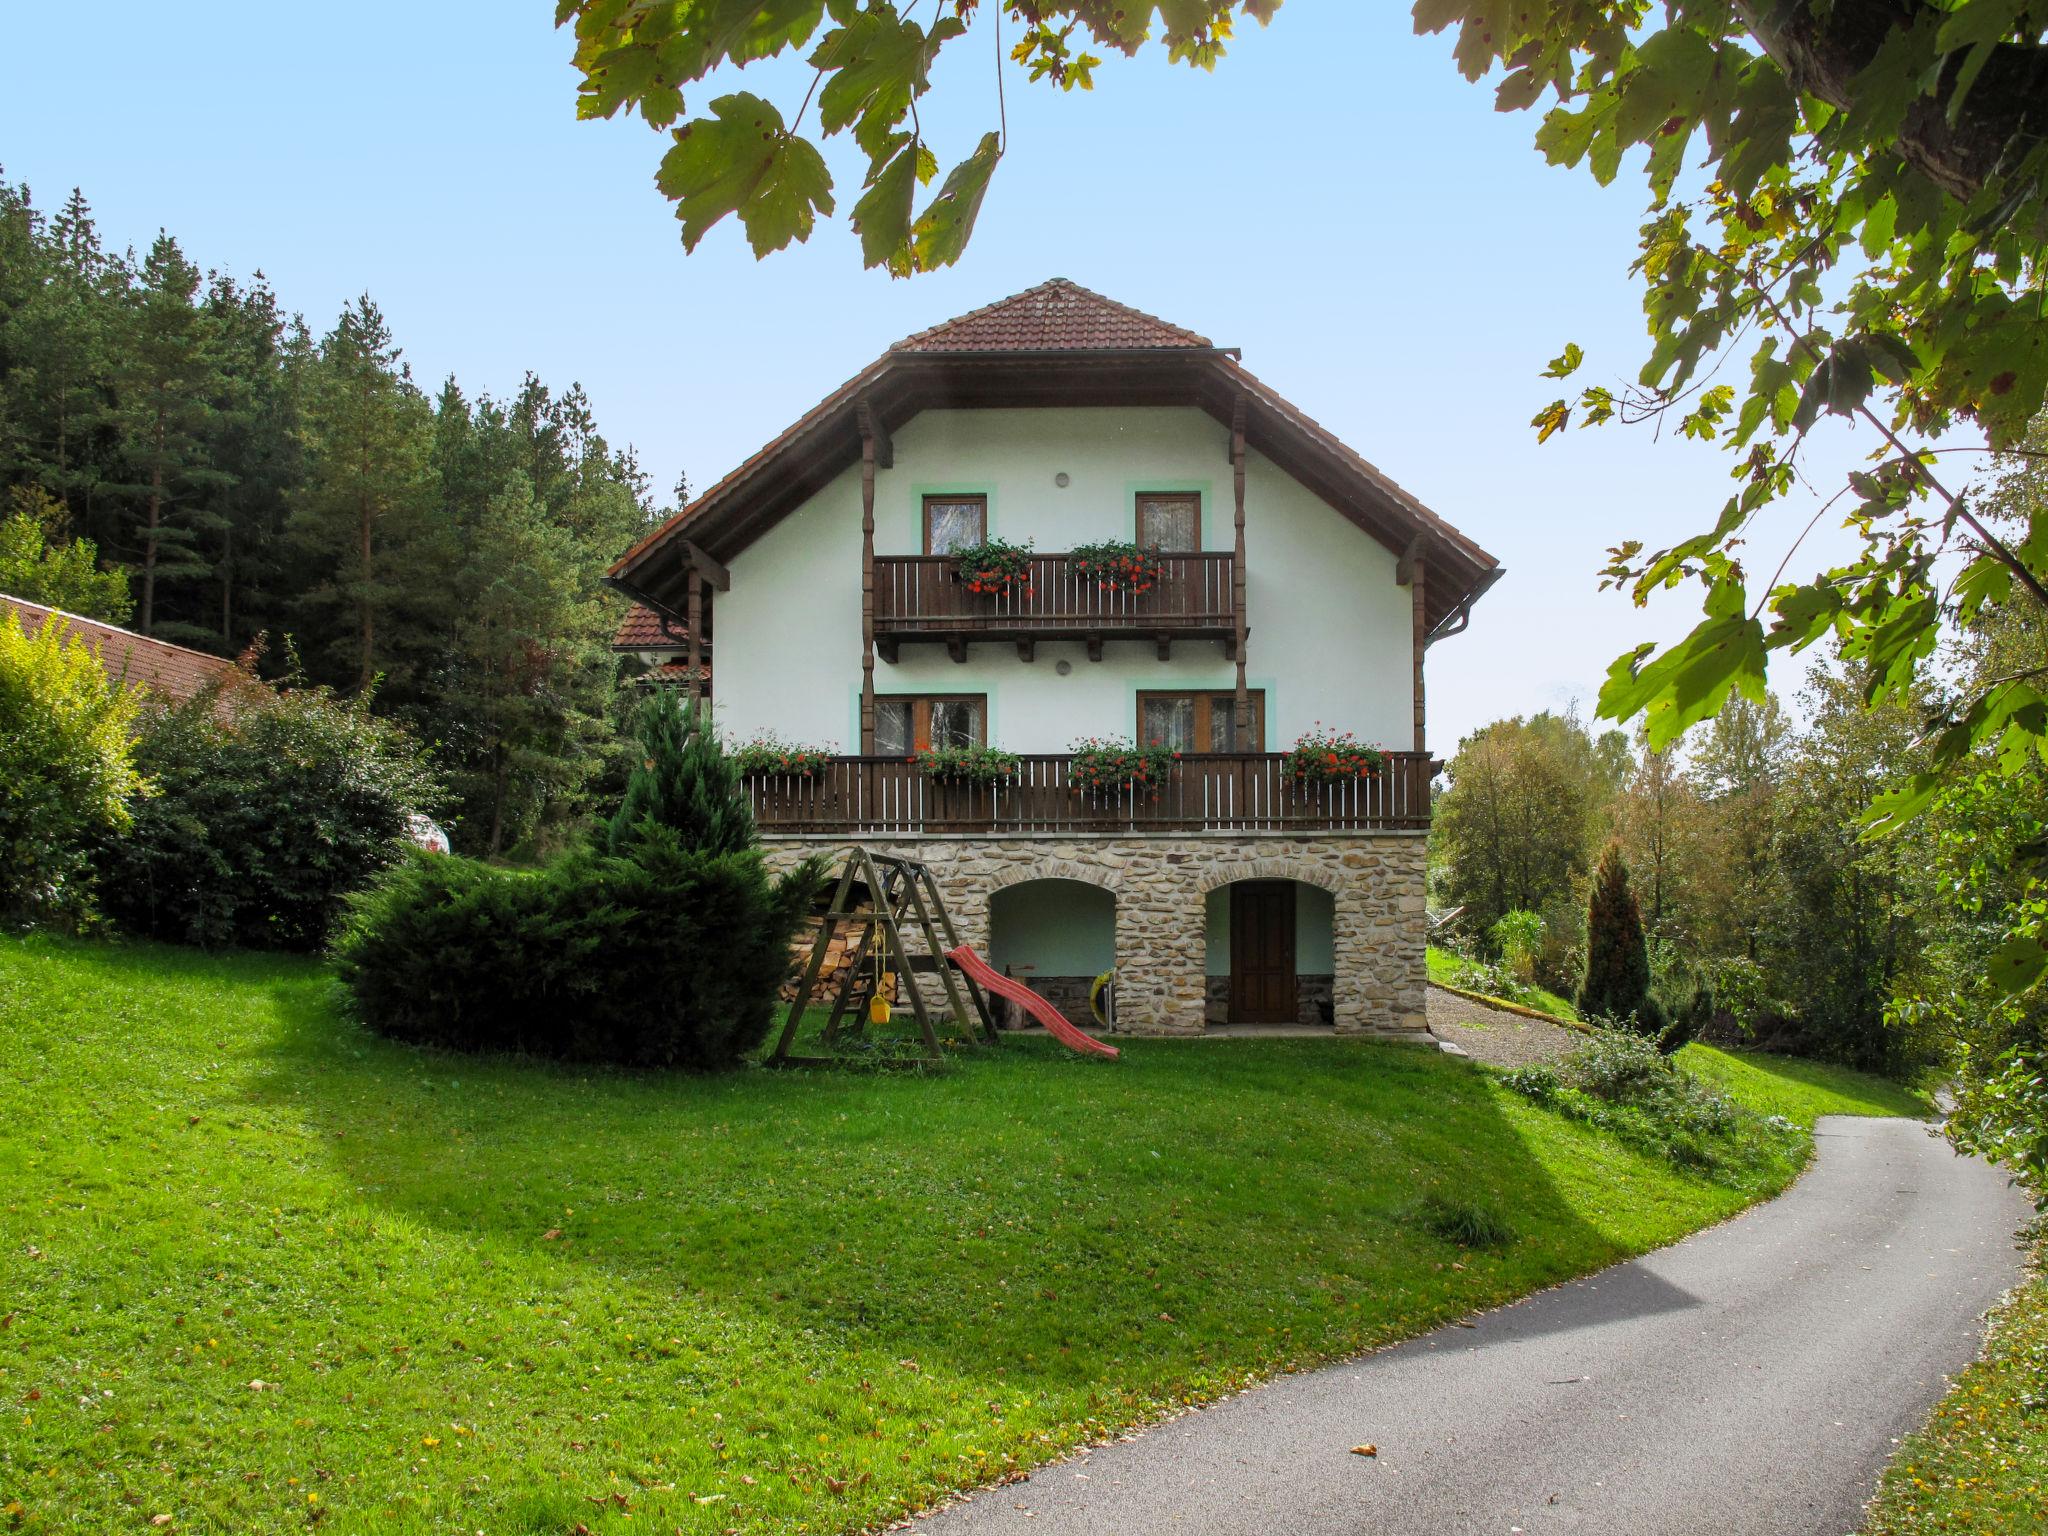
867, 592
1243, 712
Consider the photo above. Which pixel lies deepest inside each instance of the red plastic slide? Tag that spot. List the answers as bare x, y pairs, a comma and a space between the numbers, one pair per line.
1054, 1021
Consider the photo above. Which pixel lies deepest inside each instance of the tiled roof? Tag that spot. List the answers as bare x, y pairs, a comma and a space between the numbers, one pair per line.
171, 670
641, 630
1056, 316
673, 672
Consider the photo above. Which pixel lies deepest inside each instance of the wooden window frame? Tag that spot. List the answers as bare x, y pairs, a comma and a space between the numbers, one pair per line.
921, 713
952, 497
1138, 517
1207, 701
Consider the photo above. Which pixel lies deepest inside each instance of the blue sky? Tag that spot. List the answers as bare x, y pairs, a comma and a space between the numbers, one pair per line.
1388, 251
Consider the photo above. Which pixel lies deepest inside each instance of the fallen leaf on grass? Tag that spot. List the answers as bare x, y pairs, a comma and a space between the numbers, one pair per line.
551, 1234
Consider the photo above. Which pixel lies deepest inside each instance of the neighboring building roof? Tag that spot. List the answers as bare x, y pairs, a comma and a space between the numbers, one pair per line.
674, 672
643, 629
1056, 316
174, 671
1056, 344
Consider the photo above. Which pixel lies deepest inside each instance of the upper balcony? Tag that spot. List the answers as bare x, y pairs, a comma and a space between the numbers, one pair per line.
921, 597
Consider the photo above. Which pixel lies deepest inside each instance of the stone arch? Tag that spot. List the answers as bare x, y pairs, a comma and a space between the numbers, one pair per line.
1277, 868
1053, 869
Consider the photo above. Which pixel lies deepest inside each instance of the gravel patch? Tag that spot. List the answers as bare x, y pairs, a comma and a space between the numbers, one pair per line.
1493, 1035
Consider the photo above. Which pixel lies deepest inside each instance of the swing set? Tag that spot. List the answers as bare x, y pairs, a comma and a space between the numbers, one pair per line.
889, 899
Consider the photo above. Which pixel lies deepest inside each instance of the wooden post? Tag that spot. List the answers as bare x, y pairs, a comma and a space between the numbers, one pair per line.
1243, 710
1416, 587
695, 659
867, 592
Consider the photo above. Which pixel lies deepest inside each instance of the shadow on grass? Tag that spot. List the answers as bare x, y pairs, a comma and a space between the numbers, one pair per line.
1052, 1220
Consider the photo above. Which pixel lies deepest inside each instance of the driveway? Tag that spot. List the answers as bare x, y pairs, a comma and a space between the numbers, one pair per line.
1752, 1379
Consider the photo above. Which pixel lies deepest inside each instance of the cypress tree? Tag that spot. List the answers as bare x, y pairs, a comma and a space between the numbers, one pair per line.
1617, 983
684, 781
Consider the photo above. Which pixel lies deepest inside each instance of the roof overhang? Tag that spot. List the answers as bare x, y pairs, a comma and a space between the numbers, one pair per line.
900, 385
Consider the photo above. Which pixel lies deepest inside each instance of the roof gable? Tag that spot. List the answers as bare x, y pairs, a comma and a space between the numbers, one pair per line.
1056, 316
1055, 344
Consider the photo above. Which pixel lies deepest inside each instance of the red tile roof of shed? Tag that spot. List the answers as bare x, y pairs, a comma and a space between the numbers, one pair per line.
1056, 316
641, 630
171, 670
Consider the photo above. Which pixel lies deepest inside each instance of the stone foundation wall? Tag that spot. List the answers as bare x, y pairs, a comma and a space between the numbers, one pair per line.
1160, 884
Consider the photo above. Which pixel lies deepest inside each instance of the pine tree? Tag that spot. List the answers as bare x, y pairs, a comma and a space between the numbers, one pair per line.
253, 437
1617, 982
371, 571
684, 782
165, 384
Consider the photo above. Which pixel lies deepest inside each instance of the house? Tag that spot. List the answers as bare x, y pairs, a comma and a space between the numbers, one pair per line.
172, 671
1291, 588
660, 650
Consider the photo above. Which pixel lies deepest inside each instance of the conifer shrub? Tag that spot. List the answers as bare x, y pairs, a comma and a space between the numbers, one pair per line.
1617, 979
272, 804
663, 944
669, 957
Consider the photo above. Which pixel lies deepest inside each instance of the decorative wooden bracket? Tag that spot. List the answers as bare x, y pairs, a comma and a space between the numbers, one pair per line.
886, 649
707, 567
1027, 650
1237, 414
1404, 566
1095, 647
957, 649
872, 428
1165, 647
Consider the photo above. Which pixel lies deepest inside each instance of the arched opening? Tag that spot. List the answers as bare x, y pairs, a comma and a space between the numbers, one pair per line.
1056, 936
1270, 948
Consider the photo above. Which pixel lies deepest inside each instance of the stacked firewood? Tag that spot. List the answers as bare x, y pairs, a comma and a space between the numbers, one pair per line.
840, 962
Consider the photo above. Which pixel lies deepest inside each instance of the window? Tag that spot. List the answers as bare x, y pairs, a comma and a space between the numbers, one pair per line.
1172, 524
954, 522
905, 724
1200, 722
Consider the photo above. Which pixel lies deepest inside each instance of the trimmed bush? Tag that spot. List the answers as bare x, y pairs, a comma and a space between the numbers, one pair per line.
67, 769
668, 958
272, 805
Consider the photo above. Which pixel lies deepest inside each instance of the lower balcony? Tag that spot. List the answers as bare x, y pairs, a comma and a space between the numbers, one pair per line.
1219, 792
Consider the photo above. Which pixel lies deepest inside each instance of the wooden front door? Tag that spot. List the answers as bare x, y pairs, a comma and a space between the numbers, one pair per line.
1262, 952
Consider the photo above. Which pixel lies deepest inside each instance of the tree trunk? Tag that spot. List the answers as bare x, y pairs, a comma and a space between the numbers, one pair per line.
149, 543
368, 635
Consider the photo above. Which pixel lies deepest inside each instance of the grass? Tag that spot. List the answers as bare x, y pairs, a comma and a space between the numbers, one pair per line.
1450, 969
260, 1271
1800, 1090
1981, 1464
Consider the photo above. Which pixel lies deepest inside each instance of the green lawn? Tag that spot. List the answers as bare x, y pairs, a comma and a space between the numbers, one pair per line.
1980, 1467
1450, 969
262, 1272
1800, 1090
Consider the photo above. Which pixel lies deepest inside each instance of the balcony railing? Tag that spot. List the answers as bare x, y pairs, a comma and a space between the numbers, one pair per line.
1220, 792
921, 597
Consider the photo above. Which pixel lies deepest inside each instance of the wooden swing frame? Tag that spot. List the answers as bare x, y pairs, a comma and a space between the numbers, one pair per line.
901, 895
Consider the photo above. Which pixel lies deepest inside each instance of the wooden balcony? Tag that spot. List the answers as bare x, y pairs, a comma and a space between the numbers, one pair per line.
921, 597
1221, 792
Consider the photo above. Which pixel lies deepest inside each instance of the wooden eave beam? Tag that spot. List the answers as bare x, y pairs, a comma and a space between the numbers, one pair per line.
1404, 565
705, 566
876, 431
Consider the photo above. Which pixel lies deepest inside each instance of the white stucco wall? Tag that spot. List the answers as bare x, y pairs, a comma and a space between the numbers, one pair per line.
1330, 630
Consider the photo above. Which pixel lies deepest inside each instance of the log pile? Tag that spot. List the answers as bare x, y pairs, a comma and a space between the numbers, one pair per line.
839, 963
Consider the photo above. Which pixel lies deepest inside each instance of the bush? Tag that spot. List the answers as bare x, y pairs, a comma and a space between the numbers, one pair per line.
67, 768
272, 805
1518, 940
1621, 1082
668, 958
1617, 981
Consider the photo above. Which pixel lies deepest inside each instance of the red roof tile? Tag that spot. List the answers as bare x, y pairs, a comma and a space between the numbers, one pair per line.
171, 670
1056, 316
642, 630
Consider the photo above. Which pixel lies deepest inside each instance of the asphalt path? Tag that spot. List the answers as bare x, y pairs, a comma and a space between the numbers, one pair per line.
1751, 1380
